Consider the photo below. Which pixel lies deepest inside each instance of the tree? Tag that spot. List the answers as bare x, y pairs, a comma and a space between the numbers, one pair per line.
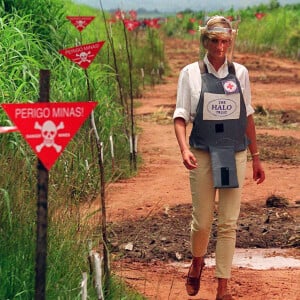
274, 4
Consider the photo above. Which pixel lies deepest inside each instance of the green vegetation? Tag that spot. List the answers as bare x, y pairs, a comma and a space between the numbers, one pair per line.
263, 28
30, 36
278, 31
31, 33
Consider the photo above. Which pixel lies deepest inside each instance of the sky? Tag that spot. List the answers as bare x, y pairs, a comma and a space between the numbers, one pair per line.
175, 6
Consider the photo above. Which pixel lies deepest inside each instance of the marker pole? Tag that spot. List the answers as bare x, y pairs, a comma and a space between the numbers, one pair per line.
42, 206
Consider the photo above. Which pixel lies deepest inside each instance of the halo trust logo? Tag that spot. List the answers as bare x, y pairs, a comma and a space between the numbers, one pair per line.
222, 107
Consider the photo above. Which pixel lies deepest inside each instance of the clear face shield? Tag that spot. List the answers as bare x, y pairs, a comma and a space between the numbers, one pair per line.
229, 33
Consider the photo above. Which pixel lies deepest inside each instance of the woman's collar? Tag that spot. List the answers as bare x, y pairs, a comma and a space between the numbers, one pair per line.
210, 66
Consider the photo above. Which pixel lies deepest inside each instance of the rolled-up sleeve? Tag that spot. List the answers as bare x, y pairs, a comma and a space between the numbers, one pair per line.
183, 102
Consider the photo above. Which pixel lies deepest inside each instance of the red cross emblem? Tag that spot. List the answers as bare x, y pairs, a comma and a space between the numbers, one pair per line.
230, 86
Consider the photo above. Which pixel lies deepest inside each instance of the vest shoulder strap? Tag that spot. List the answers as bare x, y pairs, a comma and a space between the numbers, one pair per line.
203, 67
231, 68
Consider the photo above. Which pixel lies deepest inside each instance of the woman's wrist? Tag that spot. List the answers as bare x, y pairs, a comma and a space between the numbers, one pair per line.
184, 150
255, 156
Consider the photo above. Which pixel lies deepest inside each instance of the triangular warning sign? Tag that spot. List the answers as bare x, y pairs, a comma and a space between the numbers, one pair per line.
81, 22
83, 55
48, 127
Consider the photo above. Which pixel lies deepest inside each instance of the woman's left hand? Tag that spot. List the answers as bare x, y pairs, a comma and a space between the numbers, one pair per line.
258, 171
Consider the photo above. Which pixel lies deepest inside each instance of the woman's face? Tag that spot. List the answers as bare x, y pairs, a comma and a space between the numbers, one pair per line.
217, 47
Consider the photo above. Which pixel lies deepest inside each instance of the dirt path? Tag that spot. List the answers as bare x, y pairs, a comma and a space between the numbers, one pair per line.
162, 181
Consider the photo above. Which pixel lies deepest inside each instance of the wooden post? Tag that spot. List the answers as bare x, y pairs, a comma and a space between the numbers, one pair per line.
42, 206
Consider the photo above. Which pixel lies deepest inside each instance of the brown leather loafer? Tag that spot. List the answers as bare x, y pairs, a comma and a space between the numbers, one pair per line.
192, 284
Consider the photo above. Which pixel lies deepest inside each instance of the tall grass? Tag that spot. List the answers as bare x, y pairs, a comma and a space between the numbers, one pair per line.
277, 32
19, 60
74, 179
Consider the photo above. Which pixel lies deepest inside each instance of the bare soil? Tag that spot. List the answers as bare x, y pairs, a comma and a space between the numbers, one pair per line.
149, 214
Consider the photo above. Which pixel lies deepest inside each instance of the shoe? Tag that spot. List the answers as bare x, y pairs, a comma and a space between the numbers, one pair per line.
225, 297
192, 284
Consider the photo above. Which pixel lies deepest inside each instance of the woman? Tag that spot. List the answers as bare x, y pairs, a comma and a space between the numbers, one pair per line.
215, 95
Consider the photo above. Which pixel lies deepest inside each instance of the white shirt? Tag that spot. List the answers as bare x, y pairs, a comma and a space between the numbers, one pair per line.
189, 88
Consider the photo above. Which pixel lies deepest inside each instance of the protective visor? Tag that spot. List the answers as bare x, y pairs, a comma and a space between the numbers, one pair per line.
217, 30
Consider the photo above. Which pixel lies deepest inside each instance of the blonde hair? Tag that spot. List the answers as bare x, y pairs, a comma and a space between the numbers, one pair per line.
216, 27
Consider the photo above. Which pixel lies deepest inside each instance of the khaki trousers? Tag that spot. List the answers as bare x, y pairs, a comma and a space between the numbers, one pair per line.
204, 197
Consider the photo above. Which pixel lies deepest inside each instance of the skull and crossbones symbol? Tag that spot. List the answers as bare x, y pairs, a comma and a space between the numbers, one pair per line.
83, 57
49, 132
80, 24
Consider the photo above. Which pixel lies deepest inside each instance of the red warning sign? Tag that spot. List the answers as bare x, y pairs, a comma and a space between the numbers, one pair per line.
83, 55
80, 22
48, 127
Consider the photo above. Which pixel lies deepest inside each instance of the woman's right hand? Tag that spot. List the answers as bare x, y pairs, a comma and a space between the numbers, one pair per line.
189, 159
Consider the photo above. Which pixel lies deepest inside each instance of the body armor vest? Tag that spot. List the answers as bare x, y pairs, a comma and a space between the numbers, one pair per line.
220, 124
